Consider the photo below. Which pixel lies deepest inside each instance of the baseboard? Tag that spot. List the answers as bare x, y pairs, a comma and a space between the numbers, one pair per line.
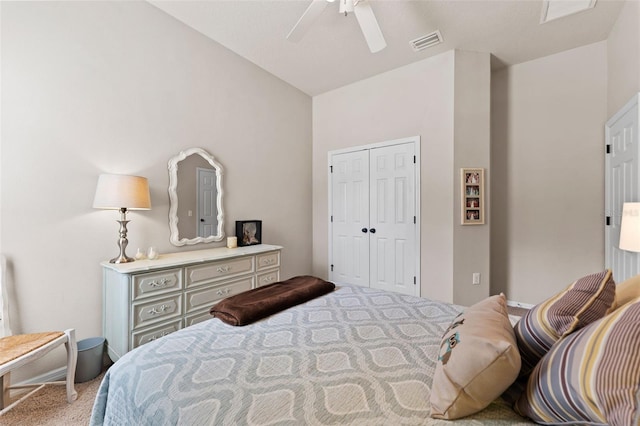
519, 304
59, 374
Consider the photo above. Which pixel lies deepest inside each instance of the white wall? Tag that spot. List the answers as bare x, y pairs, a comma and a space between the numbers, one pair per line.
416, 99
120, 87
472, 149
623, 58
547, 161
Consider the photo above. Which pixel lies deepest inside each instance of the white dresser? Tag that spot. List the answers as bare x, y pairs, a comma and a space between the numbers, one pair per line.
147, 299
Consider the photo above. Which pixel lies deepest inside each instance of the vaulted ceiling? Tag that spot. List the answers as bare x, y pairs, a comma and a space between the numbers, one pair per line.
333, 52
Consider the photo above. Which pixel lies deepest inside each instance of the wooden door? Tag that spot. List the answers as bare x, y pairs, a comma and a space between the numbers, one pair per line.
350, 217
621, 185
373, 230
392, 218
207, 213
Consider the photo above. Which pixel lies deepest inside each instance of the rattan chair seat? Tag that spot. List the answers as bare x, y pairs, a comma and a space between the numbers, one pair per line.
12, 347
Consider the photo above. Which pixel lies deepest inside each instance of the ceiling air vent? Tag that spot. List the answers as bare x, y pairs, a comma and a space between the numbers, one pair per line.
426, 41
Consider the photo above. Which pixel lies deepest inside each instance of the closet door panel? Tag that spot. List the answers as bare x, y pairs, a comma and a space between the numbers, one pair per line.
350, 206
392, 206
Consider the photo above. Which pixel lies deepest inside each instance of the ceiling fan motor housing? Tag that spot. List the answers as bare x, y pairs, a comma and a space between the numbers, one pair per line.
360, 8
346, 6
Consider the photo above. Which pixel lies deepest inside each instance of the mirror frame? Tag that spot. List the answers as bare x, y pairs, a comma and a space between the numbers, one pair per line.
174, 237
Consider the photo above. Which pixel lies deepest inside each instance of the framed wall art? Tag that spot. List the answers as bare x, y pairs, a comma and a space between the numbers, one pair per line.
472, 194
249, 232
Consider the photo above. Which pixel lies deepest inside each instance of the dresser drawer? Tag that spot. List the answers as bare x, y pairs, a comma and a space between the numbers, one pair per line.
197, 317
156, 283
268, 260
207, 297
156, 310
268, 278
201, 274
143, 301
149, 335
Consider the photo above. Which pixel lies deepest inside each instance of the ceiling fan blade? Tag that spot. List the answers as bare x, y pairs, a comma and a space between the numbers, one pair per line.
309, 16
369, 26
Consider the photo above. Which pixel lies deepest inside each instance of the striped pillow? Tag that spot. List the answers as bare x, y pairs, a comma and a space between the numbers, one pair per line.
583, 302
591, 377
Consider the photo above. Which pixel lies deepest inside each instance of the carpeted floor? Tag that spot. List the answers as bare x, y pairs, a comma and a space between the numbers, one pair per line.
49, 407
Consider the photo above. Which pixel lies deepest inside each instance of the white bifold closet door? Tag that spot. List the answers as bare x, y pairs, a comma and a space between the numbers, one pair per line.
373, 218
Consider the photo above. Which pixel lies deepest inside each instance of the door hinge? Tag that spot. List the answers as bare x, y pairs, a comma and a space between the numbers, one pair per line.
414, 220
331, 268
331, 218
414, 159
331, 169
608, 221
414, 280
608, 148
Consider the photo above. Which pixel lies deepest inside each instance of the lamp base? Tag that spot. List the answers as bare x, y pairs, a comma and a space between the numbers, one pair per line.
122, 259
122, 241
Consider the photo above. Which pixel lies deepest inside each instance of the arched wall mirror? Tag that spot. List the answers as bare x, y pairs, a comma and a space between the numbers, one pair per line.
195, 195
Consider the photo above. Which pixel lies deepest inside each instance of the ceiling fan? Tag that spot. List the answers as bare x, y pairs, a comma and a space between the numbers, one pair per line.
360, 8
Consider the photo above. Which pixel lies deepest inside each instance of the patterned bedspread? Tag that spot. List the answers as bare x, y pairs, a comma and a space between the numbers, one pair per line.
355, 356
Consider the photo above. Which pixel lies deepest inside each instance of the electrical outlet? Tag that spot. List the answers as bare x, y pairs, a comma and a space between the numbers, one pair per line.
476, 278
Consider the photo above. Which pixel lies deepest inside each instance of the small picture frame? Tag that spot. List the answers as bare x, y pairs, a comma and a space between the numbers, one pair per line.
472, 196
249, 232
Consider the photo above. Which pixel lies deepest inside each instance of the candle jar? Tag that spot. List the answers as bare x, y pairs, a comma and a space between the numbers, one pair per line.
140, 255
152, 253
232, 242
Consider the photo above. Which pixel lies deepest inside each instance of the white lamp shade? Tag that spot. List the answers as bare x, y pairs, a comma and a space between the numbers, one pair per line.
122, 191
630, 227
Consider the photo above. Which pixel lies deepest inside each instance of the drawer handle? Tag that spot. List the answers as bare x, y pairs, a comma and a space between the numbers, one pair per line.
222, 292
163, 282
158, 310
223, 269
268, 279
157, 336
268, 261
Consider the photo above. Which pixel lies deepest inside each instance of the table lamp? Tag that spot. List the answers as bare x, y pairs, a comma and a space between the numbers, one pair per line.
122, 192
630, 227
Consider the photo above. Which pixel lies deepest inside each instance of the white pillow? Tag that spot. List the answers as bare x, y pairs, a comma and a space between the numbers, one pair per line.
479, 360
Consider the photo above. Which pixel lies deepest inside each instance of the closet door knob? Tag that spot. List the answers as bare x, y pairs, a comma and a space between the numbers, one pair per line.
372, 230
364, 230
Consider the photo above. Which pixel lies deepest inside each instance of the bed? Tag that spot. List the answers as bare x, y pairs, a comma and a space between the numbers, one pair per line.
353, 356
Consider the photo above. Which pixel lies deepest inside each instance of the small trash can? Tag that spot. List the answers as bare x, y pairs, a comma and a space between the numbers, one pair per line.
89, 364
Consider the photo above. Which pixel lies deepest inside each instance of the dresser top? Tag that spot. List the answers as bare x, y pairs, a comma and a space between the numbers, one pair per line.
188, 257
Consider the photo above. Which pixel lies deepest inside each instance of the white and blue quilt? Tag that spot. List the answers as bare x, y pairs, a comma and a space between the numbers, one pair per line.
356, 356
